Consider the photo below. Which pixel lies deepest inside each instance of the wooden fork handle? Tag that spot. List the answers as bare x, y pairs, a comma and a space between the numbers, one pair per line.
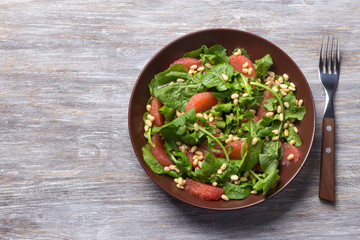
327, 167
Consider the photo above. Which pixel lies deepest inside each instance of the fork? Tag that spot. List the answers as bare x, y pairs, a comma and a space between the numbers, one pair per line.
329, 71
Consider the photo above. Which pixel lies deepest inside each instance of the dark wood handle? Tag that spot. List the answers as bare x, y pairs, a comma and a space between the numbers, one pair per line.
327, 171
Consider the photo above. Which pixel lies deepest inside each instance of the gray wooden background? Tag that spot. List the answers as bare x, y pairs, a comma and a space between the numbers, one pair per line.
67, 168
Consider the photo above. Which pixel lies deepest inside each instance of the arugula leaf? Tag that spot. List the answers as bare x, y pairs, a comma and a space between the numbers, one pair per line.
182, 162
213, 77
215, 54
293, 136
167, 112
177, 95
265, 181
154, 164
262, 65
269, 159
240, 191
270, 104
171, 74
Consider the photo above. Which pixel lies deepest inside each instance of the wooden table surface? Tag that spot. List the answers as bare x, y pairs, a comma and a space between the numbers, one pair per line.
67, 168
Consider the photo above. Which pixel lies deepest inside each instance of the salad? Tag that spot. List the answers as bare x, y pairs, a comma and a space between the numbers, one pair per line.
220, 125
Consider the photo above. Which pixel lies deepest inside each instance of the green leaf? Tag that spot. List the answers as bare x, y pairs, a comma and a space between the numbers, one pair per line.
293, 136
154, 164
171, 74
271, 104
233, 191
213, 77
167, 112
262, 65
269, 159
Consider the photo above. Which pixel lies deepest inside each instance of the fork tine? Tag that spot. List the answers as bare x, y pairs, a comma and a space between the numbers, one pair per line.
327, 55
332, 55
337, 56
321, 61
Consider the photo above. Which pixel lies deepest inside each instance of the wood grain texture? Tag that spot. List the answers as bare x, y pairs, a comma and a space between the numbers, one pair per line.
327, 162
67, 168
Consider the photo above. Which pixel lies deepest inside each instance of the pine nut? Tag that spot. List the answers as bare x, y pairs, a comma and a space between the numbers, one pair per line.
227, 141
276, 132
244, 70
177, 170
167, 169
214, 184
253, 111
275, 138
178, 143
224, 197
286, 133
238, 52
179, 186
286, 77
146, 128
254, 141
148, 123
300, 103
281, 117
234, 96
245, 65
245, 95
292, 142
253, 192
191, 71
250, 71
293, 85
292, 89
200, 153
193, 149
193, 67
243, 179
236, 138
200, 164
208, 65
219, 171
275, 89
234, 177
196, 161
286, 104
283, 92
172, 167
196, 127
290, 157
150, 117
296, 129
269, 114
236, 101
180, 80
148, 107
283, 86
224, 77
246, 174
237, 182
200, 115
281, 80
176, 180
285, 125
180, 179
200, 69
223, 166
278, 110
171, 83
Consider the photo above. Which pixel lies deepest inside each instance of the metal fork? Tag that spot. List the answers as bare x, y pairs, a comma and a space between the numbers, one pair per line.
329, 71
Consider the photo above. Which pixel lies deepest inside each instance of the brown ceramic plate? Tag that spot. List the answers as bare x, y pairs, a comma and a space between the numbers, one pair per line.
257, 47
